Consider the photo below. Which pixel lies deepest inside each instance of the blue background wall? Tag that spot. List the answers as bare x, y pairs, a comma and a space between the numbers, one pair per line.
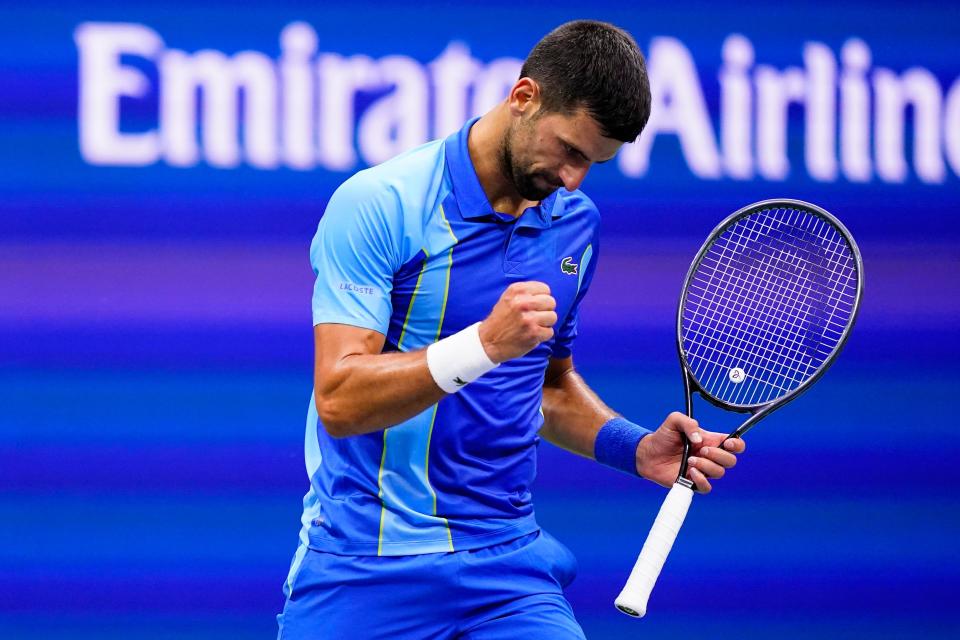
155, 340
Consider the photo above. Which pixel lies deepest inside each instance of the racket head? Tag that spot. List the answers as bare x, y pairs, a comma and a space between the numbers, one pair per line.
767, 305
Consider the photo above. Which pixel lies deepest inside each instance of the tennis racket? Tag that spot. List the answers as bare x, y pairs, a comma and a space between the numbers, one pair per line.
766, 307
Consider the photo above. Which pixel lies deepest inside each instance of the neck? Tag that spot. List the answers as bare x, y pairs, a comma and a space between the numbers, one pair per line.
485, 147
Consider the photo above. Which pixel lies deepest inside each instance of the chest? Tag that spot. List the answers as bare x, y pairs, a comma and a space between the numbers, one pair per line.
460, 277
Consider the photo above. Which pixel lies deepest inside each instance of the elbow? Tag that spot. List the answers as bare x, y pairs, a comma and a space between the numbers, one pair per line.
335, 418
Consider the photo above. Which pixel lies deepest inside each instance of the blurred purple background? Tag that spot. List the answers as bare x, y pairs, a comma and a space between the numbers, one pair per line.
155, 339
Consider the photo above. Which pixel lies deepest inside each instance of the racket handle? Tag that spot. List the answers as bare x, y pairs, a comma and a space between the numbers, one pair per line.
633, 599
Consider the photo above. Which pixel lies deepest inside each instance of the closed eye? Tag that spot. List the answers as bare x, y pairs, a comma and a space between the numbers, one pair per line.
573, 151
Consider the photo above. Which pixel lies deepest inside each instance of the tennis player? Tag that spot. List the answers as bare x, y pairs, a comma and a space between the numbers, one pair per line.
449, 282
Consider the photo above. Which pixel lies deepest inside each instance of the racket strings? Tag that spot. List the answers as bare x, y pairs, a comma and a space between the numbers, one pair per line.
767, 305
741, 287
765, 348
742, 241
761, 322
748, 259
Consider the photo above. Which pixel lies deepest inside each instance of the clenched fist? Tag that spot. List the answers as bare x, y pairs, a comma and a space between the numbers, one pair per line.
522, 318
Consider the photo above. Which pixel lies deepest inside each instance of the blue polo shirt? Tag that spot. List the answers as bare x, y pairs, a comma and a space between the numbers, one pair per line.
412, 249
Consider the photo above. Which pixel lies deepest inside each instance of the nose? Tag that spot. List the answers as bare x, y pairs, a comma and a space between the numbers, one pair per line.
573, 176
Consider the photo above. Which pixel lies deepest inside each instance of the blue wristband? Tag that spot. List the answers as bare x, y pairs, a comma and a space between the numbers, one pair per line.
616, 444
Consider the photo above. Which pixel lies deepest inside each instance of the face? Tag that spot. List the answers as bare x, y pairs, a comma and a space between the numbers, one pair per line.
544, 151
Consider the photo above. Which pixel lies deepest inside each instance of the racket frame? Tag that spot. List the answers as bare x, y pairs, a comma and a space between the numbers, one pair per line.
633, 602
759, 411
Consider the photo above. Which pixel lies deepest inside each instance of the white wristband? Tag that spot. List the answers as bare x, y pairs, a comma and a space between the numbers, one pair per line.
458, 359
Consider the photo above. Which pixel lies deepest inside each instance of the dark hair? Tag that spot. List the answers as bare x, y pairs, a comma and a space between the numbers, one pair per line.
595, 66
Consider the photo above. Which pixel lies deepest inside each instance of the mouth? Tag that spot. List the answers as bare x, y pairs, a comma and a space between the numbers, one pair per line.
551, 182
538, 186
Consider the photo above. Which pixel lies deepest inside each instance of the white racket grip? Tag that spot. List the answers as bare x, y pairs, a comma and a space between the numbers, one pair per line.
633, 599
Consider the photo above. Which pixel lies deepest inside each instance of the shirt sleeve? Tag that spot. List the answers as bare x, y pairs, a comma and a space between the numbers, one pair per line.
567, 329
354, 254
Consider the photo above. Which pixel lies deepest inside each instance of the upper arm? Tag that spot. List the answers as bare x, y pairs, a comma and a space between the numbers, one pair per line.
557, 368
355, 253
333, 343
567, 327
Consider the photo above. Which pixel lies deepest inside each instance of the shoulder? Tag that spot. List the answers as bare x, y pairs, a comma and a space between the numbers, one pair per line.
385, 204
579, 209
404, 181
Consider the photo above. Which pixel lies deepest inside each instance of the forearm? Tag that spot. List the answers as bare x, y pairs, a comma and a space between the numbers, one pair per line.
365, 393
358, 389
573, 414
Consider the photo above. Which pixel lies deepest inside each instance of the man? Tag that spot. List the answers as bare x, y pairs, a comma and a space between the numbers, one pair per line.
448, 286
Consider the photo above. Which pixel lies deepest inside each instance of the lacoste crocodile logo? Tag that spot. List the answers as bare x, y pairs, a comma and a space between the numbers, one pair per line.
568, 266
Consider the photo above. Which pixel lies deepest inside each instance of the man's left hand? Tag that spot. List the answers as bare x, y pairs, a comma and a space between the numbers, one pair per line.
658, 456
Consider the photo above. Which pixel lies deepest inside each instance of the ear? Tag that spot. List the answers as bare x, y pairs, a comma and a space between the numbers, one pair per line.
524, 98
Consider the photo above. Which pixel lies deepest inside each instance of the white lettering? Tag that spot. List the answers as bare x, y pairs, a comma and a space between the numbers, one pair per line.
220, 81
775, 91
920, 89
820, 125
398, 121
308, 109
340, 79
452, 74
298, 41
678, 108
736, 102
855, 112
103, 81
951, 126
494, 83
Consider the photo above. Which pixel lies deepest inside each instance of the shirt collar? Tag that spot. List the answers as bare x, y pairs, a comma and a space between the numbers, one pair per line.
471, 198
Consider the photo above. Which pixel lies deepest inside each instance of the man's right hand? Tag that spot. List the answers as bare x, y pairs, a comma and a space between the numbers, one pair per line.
522, 318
